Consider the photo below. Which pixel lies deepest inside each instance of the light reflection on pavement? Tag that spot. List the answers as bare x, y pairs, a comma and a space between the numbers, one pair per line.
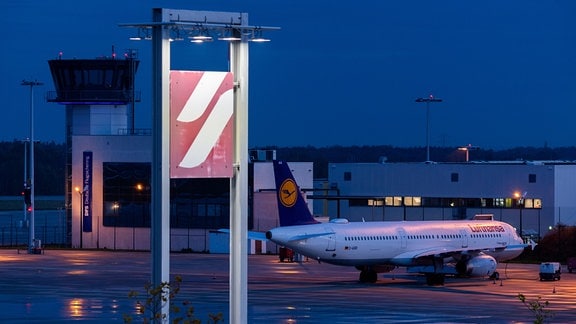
92, 286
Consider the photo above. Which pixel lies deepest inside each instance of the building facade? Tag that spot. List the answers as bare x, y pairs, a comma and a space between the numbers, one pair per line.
112, 209
532, 196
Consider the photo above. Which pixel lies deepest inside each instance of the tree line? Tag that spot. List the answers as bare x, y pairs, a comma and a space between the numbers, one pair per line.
50, 160
321, 156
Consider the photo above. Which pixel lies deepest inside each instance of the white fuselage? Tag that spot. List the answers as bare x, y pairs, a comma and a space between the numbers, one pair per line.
398, 243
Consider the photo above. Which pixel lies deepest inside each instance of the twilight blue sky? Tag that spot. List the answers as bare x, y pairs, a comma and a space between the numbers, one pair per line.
338, 72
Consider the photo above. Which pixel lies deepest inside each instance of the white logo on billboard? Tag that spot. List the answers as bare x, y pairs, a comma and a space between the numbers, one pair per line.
195, 107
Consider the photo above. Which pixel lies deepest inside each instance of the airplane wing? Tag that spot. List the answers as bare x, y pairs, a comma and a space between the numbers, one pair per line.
258, 236
307, 236
443, 252
438, 252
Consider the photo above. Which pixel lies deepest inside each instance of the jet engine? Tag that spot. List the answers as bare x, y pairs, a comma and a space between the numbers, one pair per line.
477, 266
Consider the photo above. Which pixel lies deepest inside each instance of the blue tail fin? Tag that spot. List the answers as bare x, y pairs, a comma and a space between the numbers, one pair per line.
292, 208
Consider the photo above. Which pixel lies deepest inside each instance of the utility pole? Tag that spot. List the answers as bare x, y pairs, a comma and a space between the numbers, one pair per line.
428, 101
32, 244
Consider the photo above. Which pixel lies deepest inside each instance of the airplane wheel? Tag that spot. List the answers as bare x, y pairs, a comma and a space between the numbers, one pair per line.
363, 276
495, 275
368, 275
435, 279
372, 276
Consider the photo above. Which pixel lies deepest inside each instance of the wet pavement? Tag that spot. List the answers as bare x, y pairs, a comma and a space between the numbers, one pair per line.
61, 286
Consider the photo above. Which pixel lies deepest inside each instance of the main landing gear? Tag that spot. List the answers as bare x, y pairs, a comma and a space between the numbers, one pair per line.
495, 275
368, 274
435, 279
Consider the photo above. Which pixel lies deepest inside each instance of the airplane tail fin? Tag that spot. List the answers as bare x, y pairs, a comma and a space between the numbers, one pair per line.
292, 207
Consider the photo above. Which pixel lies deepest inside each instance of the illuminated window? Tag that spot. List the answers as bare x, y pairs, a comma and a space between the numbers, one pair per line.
537, 203
375, 202
408, 201
389, 201
417, 201
412, 201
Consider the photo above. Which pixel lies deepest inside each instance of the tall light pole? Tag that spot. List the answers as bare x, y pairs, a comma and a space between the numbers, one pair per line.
428, 101
31, 84
236, 30
25, 182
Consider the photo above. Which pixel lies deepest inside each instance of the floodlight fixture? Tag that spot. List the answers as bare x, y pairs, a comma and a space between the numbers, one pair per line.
257, 36
143, 34
230, 35
200, 34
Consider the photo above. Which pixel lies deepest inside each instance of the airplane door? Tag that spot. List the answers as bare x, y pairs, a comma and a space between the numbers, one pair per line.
331, 240
464, 235
402, 236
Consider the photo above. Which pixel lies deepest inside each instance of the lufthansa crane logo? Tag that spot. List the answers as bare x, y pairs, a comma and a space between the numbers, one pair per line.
288, 193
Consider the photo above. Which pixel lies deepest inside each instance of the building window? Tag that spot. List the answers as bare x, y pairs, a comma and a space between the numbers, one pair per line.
537, 203
532, 178
194, 208
194, 203
375, 202
498, 202
347, 176
126, 194
454, 177
412, 201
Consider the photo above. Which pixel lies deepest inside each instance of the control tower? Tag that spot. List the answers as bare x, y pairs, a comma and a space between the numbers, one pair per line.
99, 96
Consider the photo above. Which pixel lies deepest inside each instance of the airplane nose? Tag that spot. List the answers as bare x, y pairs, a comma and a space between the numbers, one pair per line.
269, 235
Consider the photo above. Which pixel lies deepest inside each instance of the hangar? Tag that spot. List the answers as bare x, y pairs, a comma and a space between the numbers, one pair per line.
534, 196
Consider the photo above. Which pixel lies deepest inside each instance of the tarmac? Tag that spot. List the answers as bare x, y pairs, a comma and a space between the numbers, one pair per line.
61, 286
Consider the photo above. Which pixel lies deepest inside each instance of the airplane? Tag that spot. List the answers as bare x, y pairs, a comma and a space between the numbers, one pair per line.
470, 248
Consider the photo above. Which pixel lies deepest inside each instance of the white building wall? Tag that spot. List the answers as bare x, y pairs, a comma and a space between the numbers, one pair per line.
565, 198
106, 149
99, 119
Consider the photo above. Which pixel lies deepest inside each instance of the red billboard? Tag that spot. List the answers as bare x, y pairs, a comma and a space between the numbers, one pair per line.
201, 124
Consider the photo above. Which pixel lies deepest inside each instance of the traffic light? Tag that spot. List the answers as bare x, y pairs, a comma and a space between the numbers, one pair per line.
27, 196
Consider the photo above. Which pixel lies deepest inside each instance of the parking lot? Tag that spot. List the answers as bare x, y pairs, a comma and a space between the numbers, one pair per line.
92, 286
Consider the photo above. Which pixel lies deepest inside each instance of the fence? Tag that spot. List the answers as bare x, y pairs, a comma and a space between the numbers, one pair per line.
50, 228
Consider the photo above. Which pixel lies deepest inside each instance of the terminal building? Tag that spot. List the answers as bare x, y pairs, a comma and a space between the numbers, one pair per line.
532, 196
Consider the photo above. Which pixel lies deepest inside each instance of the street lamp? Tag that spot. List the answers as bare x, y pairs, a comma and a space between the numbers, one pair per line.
138, 189
31, 84
467, 149
428, 101
115, 207
520, 203
81, 193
